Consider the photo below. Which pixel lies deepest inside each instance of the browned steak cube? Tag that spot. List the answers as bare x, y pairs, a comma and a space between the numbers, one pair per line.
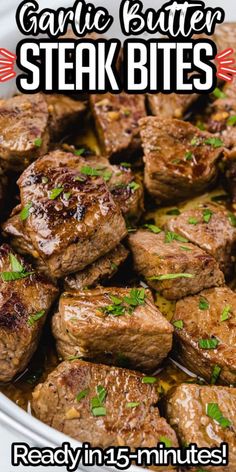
180, 160
125, 186
63, 112
116, 118
205, 331
205, 416
210, 227
111, 325
220, 119
23, 130
105, 406
102, 269
172, 105
173, 266
69, 217
25, 299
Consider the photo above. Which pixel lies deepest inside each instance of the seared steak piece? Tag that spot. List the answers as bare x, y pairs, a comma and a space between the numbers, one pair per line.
180, 160
170, 106
23, 130
112, 325
221, 120
77, 392
116, 118
173, 266
102, 269
210, 227
224, 37
69, 217
25, 299
206, 333
125, 186
205, 416
63, 112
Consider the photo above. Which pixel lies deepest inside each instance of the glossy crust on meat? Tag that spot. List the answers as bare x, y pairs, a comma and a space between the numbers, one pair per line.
216, 236
116, 119
19, 300
54, 402
186, 412
154, 257
178, 161
72, 229
141, 338
206, 323
23, 130
102, 269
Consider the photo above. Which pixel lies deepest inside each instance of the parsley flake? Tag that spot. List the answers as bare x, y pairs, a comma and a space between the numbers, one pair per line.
171, 276
218, 93
213, 411
153, 228
193, 221
215, 374
171, 236
38, 142
203, 304
225, 313
25, 212
210, 343
165, 440
83, 394
149, 380
33, 318
214, 142
55, 193
231, 120
132, 404
179, 324
207, 214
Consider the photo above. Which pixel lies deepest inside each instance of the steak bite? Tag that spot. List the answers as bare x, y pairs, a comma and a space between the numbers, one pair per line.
105, 406
23, 130
180, 160
210, 227
172, 105
172, 265
206, 333
100, 270
116, 119
205, 416
25, 299
111, 325
69, 217
63, 113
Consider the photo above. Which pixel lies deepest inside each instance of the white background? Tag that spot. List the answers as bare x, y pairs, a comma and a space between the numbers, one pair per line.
9, 36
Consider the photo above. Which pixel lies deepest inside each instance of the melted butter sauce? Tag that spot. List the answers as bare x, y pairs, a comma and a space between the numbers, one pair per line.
45, 360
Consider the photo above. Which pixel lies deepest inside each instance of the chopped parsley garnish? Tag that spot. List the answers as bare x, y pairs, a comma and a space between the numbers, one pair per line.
38, 142
171, 236
185, 248
95, 172
125, 164
97, 407
225, 313
193, 221
174, 211
134, 186
200, 125
149, 380
73, 358
55, 193
83, 394
125, 304
79, 152
210, 343
114, 266
218, 93
24, 214
232, 219
18, 271
132, 404
165, 440
153, 228
171, 276
215, 374
214, 412
33, 318
179, 324
207, 214
203, 304
231, 120
215, 142
127, 112
194, 142
188, 156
